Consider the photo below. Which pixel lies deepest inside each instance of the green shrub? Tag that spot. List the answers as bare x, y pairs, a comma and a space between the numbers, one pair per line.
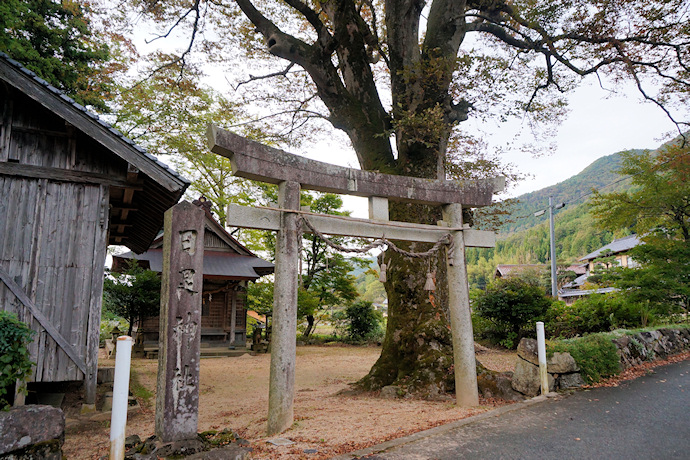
594, 313
363, 321
15, 362
595, 354
510, 305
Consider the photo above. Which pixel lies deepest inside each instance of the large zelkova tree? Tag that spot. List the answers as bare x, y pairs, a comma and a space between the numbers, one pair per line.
657, 208
399, 77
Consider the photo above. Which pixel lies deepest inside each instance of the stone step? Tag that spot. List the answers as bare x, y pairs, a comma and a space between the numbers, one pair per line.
216, 352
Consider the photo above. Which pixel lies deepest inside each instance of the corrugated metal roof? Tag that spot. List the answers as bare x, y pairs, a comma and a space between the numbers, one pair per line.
583, 292
616, 246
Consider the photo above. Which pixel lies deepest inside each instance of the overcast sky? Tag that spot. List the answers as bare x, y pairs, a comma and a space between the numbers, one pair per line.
598, 125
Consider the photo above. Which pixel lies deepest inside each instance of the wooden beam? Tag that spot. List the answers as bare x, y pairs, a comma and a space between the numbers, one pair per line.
253, 160
269, 219
45, 132
43, 321
60, 175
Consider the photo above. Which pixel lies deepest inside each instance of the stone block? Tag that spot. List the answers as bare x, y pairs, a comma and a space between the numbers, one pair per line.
24, 426
232, 452
573, 380
105, 375
527, 350
526, 379
497, 385
390, 392
561, 363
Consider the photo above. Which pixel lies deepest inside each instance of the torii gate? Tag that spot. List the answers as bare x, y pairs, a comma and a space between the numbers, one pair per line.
255, 161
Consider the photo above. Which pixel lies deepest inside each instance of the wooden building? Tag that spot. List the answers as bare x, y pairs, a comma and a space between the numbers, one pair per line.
228, 267
70, 184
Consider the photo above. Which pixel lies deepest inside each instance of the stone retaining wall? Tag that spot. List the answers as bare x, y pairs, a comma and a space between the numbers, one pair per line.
563, 370
649, 346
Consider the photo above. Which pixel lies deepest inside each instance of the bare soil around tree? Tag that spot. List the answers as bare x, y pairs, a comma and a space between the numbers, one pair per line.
329, 420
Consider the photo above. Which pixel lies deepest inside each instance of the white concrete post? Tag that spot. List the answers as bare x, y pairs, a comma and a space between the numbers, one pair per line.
466, 390
281, 389
118, 419
541, 352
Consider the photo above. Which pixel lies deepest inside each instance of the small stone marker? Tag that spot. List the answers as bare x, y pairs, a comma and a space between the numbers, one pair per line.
280, 442
177, 399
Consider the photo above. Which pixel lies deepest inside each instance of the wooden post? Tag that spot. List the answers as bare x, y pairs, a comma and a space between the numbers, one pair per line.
233, 314
177, 398
466, 392
19, 393
95, 304
283, 337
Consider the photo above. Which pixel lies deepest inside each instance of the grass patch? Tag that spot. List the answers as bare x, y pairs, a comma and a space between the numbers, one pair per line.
143, 394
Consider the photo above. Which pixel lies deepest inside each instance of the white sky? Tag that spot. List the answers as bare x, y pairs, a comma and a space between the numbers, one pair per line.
598, 125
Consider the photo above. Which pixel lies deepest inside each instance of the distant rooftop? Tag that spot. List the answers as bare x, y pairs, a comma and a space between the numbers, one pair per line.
616, 246
514, 269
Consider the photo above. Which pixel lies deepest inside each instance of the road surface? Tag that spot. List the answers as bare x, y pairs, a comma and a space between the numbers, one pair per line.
646, 418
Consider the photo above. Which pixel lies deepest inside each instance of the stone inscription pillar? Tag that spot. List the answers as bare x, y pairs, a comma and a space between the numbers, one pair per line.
281, 392
177, 400
466, 391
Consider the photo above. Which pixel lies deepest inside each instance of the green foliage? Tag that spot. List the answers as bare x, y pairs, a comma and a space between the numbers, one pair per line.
109, 321
510, 304
595, 355
594, 313
526, 240
55, 40
363, 321
169, 112
15, 360
260, 297
133, 294
658, 209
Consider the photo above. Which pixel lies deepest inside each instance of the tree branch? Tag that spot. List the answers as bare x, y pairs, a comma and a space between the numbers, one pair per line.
282, 73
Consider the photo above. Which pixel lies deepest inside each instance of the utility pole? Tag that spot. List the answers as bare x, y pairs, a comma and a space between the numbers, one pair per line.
552, 237
554, 275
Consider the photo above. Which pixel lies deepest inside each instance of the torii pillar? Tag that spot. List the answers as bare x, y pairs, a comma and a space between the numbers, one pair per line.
281, 389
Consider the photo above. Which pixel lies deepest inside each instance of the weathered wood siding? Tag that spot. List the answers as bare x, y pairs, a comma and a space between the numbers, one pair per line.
53, 234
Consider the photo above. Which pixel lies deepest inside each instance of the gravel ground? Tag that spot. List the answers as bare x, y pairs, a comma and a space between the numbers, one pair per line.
234, 395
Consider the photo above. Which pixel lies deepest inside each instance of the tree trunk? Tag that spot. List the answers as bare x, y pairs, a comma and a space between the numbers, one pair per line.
417, 352
310, 325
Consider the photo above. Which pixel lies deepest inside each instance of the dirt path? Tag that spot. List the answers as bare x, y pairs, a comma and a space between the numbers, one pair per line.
234, 395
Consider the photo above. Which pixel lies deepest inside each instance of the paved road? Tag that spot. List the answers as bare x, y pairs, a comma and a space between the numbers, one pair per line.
646, 418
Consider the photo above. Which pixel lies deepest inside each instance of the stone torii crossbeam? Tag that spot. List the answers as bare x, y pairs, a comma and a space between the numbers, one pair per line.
255, 161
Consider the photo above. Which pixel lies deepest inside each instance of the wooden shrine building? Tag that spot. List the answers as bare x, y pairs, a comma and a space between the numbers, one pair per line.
228, 267
70, 184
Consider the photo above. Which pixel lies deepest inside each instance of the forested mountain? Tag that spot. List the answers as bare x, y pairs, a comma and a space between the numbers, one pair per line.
526, 238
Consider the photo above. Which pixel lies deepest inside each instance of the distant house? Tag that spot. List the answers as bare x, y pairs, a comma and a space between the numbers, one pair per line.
613, 254
506, 270
618, 249
70, 184
228, 267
